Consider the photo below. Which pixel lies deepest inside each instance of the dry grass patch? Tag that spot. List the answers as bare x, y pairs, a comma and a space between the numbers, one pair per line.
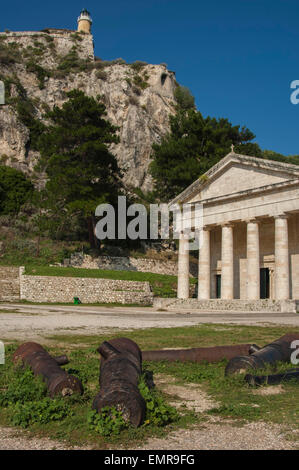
190, 396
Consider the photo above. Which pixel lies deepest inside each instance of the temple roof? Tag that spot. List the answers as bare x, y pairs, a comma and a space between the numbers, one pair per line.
289, 171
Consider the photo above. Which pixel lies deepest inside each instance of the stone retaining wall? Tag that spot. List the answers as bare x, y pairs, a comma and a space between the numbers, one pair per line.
89, 290
9, 284
123, 263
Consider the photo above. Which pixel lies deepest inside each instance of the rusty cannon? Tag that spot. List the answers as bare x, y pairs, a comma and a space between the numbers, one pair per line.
212, 354
275, 379
278, 351
120, 370
57, 380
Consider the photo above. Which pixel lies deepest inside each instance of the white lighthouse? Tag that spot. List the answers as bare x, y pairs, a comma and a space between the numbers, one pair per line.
84, 22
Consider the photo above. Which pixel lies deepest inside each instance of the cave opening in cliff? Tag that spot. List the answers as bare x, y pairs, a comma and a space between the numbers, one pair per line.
163, 78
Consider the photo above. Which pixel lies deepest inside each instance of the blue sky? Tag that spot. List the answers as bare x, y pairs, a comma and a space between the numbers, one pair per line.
237, 57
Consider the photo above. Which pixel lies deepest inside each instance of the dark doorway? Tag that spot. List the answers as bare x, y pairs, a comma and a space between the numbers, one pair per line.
218, 286
265, 283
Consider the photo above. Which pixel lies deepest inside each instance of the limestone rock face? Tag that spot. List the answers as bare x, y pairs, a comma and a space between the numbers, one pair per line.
139, 101
13, 137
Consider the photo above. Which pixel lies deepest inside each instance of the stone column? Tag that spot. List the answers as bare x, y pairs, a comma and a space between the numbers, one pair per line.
183, 267
253, 260
204, 276
282, 276
227, 263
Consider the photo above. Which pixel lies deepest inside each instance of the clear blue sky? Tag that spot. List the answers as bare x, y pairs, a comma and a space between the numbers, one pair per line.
237, 57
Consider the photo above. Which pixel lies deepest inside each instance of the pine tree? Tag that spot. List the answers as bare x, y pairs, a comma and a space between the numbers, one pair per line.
192, 147
81, 171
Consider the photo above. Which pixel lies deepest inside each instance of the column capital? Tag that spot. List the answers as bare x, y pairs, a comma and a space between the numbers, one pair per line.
282, 216
184, 234
252, 221
227, 224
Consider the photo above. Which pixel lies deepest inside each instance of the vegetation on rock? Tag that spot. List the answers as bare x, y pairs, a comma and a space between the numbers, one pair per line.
15, 190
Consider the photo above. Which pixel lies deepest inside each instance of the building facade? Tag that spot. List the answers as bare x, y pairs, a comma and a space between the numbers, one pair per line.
250, 239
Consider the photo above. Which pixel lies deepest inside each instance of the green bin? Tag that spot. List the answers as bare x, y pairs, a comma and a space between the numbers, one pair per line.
77, 301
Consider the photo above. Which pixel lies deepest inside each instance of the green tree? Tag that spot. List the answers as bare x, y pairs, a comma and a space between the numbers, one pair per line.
192, 147
250, 148
185, 100
271, 155
15, 190
81, 170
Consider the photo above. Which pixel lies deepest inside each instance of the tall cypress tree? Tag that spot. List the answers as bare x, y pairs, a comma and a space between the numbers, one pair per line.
81, 171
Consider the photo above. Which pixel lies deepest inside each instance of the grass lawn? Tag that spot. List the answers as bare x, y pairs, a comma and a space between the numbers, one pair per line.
162, 285
235, 399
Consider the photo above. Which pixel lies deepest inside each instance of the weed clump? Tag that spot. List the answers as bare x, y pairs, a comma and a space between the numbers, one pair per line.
42, 412
109, 422
27, 402
158, 412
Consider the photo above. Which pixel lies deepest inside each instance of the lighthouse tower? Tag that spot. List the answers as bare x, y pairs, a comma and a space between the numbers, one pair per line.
84, 22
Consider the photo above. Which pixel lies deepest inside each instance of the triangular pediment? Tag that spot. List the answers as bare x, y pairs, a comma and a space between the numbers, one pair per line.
237, 173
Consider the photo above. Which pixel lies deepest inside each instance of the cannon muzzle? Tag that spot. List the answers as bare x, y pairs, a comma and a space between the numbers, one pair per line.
58, 381
120, 370
278, 351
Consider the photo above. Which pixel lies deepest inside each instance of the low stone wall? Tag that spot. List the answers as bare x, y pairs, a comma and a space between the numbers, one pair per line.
236, 305
9, 284
89, 290
123, 263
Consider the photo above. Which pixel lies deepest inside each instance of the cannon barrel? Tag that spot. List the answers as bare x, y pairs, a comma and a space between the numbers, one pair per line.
120, 370
57, 380
212, 354
279, 350
274, 379
61, 360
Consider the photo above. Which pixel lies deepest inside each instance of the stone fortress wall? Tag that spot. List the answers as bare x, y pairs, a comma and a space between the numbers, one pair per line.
62, 39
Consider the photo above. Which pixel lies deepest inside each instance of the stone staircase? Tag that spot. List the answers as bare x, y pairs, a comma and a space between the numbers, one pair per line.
233, 306
9, 284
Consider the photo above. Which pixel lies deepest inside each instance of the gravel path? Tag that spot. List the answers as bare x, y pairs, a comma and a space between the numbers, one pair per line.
219, 436
36, 321
210, 436
11, 439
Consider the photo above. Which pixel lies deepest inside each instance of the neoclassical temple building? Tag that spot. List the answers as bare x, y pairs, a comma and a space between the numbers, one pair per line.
250, 239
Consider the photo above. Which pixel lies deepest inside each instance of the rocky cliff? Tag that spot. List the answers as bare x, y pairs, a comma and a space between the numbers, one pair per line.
39, 68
